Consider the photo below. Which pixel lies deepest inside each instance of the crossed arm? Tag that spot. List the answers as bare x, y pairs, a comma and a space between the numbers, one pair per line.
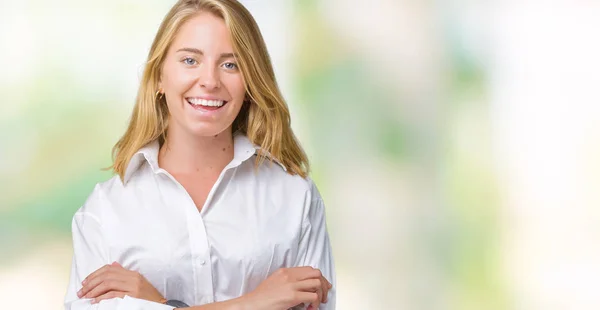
282, 290
110, 286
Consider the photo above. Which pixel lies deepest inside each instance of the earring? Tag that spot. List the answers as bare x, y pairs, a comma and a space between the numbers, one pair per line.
159, 92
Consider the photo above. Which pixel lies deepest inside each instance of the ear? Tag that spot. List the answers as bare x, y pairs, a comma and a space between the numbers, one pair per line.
159, 82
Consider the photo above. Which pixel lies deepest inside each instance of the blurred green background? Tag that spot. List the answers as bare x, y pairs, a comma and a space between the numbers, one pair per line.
456, 143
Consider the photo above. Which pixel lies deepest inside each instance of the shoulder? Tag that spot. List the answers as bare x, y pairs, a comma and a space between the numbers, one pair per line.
278, 179
99, 199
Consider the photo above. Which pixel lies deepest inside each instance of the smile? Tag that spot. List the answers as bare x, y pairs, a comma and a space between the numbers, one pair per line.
198, 102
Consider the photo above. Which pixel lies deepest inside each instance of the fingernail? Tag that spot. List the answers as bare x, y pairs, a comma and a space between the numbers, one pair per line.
84, 282
93, 300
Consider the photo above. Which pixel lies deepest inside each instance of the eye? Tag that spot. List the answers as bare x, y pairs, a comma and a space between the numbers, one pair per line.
230, 66
189, 61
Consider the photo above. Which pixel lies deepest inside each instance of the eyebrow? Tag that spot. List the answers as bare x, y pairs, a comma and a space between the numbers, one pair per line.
199, 52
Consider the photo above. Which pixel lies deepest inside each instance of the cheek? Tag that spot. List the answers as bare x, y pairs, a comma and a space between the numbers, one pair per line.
176, 80
235, 85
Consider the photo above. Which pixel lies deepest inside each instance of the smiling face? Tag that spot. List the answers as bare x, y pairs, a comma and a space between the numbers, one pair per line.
200, 78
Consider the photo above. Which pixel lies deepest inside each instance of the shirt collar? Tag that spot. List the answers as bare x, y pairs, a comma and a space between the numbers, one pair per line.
243, 149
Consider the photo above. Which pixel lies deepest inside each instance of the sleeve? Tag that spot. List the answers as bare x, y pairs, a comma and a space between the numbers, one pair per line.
90, 252
315, 248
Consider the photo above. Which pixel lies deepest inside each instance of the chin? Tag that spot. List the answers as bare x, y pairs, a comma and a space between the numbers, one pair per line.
208, 131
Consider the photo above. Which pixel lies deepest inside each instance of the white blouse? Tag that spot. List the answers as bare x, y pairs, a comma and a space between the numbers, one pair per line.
254, 222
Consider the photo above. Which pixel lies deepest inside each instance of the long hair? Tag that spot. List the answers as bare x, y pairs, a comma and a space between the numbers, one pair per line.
265, 120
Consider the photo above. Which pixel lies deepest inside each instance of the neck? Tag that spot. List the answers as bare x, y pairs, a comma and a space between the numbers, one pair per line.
183, 154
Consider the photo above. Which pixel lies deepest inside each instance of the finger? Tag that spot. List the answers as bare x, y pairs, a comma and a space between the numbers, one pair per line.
315, 304
109, 295
132, 275
329, 285
310, 285
108, 274
314, 286
303, 273
95, 274
100, 271
325, 289
116, 267
107, 286
306, 297
91, 283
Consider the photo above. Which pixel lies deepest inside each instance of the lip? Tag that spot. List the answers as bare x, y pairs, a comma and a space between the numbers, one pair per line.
201, 111
206, 97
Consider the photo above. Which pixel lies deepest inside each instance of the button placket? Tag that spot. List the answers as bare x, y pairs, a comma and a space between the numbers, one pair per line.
199, 247
200, 254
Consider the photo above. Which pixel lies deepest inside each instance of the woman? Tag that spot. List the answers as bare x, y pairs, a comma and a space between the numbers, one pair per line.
211, 206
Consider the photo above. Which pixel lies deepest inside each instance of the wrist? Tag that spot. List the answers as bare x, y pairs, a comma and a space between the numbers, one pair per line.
244, 302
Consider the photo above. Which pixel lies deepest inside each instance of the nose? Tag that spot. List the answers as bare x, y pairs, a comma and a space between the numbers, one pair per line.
209, 78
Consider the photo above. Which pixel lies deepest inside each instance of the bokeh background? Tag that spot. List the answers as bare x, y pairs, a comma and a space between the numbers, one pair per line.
456, 143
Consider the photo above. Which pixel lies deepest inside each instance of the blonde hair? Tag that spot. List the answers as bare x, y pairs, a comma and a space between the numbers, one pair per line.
265, 120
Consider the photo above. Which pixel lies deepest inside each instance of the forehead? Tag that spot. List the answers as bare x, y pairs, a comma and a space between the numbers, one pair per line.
204, 31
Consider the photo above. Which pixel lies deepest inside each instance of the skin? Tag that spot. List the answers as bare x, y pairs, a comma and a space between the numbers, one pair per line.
201, 63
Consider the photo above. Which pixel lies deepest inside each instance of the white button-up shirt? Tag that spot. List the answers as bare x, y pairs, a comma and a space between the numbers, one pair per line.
254, 222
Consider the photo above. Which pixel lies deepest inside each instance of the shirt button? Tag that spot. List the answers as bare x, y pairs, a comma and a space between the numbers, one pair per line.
202, 262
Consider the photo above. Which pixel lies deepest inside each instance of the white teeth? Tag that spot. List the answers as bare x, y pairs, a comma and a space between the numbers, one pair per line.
206, 103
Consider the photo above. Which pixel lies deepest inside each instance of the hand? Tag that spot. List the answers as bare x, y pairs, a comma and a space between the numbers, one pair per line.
113, 280
289, 287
